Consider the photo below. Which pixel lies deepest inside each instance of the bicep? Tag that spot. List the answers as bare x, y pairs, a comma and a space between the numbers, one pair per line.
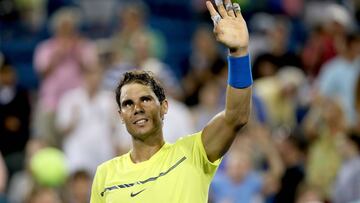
218, 136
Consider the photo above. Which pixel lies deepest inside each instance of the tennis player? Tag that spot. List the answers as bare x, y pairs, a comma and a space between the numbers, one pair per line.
155, 171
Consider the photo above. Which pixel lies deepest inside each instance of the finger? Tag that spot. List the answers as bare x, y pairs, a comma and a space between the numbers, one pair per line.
214, 14
237, 9
229, 8
211, 8
221, 8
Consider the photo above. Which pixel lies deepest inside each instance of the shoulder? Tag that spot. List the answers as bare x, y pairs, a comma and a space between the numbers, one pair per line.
111, 164
45, 45
188, 139
333, 64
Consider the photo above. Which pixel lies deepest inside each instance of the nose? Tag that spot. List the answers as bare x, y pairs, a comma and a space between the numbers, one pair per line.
138, 109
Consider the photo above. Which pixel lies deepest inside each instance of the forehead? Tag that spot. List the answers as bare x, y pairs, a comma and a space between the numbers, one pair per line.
134, 91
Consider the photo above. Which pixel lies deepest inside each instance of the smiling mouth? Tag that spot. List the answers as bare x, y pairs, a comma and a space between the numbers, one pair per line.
140, 121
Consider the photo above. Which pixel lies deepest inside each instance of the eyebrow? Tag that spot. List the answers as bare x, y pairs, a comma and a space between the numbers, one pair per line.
127, 101
147, 97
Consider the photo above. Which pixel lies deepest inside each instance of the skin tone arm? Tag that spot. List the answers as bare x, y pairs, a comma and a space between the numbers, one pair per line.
220, 132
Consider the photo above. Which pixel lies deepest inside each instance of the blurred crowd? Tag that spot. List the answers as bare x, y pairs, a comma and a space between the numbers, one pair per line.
60, 61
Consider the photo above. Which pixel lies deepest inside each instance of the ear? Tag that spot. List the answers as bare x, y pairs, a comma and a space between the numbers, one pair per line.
121, 118
164, 108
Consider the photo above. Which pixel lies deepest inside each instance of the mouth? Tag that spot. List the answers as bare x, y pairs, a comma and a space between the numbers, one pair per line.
140, 121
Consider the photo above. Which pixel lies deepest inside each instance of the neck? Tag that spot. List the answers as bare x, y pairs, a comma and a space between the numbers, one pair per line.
144, 149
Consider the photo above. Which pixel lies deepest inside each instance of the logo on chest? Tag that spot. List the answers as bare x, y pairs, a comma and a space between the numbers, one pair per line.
132, 194
154, 178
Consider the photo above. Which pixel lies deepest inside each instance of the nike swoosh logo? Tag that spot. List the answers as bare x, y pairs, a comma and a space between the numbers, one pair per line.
134, 194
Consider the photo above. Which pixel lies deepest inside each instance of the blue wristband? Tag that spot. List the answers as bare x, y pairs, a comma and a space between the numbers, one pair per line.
239, 74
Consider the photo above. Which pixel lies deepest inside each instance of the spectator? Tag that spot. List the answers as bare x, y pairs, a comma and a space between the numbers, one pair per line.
292, 150
280, 94
204, 64
62, 57
14, 118
327, 28
209, 105
308, 193
87, 117
324, 126
79, 187
22, 182
132, 23
345, 65
241, 182
44, 195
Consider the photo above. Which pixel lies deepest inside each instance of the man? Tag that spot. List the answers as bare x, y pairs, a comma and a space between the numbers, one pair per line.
154, 171
63, 57
331, 80
86, 116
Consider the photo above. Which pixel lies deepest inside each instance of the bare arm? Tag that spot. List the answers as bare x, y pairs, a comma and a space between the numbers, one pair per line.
220, 132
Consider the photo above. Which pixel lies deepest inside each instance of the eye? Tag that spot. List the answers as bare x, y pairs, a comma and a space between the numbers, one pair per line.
145, 99
127, 104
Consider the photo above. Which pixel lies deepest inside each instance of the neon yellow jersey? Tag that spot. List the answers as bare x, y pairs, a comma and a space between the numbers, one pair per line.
177, 173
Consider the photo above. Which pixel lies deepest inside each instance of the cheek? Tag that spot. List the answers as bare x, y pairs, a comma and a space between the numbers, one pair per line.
124, 116
156, 114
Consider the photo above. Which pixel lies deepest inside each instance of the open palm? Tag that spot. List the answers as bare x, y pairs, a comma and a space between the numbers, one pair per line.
229, 25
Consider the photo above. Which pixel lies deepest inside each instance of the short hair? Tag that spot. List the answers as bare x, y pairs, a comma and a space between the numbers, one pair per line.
141, 77
71, 13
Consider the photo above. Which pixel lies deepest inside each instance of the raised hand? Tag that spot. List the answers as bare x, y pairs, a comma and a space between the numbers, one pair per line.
229, 26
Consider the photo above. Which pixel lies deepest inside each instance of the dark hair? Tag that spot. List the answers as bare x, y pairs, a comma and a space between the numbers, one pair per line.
79, 174
142, 77
351, 37
354, 137
297, 139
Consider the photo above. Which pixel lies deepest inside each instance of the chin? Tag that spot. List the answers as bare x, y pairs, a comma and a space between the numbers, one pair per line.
142, 133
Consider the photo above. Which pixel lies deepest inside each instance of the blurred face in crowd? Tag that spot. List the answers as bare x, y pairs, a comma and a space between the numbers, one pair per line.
80, 189
278, 37
66, 28
93, 80
289, 153
7, 76
209, 95
45, 195
333, 114
266, 68
238, 165
141, 110
131, 18
354, 47
204, 41
310, 196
